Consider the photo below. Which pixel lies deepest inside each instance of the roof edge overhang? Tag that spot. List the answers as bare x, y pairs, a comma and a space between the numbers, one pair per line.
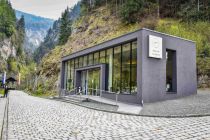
115, 41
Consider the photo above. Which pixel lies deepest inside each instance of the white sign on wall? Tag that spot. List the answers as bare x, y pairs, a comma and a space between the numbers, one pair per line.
155, 46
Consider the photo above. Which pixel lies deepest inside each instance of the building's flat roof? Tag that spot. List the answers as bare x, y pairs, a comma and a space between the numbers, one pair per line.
65, 57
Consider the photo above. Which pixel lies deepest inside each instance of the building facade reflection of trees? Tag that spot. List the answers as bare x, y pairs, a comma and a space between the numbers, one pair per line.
121, 64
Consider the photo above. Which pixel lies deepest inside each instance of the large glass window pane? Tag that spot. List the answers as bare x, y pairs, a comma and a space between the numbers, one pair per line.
85, 61
69, 75
103, 56
90, 59
126, 68
117, 69
65, 74
81, 61
76, 63
72, 75
134, 67
96, 58
109, 61
170, 71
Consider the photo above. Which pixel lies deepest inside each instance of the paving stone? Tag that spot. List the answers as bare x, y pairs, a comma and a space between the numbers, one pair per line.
36, 118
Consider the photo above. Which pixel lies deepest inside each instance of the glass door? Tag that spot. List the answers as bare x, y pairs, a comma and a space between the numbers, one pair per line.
94, 82
84, 82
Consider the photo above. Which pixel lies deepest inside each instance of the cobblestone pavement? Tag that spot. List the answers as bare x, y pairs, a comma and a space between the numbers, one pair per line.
36, 118
198, 104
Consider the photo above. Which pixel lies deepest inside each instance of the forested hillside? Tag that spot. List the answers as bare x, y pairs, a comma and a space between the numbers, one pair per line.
12, 33
101, 20
53, 37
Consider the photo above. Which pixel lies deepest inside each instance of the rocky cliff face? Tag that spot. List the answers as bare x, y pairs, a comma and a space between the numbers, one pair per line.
36, 29
6, 50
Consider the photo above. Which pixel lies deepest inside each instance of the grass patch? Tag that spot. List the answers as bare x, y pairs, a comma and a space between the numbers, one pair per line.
42, 94
1, 91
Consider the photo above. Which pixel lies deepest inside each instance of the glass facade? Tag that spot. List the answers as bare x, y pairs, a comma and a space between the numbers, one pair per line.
121, 63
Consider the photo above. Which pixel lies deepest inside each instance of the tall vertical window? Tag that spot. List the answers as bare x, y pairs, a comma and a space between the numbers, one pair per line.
85, 61
133, 67
117, 69
72, 75
109, 61
90, 59
76, 62
69, 75
102, 56
96, 58
170, 71
126, 69
81, 61
65, 75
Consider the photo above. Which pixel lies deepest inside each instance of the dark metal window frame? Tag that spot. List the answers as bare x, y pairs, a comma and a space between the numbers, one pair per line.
174, 72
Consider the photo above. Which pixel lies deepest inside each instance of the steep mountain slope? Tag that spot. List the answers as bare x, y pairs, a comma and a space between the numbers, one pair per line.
102, 24
99, 26
36, 30
12, 33
50, 41
52, 37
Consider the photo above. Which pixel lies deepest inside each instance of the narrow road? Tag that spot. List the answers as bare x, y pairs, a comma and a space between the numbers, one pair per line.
36, 118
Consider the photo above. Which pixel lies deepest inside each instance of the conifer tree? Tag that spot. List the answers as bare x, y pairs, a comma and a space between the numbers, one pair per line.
65, 27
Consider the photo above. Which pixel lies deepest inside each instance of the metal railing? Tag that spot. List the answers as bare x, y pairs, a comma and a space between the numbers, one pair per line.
90, 92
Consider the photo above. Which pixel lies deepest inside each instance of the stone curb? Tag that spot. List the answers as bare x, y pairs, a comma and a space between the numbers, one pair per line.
124, 113
4, 119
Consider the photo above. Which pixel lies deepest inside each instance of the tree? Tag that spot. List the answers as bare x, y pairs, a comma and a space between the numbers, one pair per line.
131, 10
20, 25
65, 27
7, 18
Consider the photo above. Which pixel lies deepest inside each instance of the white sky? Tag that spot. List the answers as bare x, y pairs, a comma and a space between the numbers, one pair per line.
45, 8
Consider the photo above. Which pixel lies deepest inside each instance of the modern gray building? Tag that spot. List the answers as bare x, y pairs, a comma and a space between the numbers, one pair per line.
141, 66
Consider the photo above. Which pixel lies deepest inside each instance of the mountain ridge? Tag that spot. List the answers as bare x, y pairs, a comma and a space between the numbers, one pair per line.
36, 28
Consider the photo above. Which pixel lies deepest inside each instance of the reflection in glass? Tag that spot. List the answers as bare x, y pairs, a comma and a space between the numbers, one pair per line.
76, 63
117, 69
85, 61
103, 56
72, 75
134, 67
90, 59
96, 58
69, 75
81, 61
65, 75
121, 69
109, 61
126, 69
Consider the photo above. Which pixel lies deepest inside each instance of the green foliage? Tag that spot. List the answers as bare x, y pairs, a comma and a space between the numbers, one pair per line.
1, 91
20, 25
194, 11
198, 32
7, 19
12, 65
65, 27
131, 10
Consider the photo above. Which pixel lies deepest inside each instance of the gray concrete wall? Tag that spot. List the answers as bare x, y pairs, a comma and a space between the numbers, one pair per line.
154, 70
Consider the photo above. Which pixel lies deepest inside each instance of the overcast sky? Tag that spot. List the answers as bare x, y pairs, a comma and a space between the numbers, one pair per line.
45, 8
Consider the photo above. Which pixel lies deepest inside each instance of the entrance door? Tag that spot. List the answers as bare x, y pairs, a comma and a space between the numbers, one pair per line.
84, 76
90, 82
